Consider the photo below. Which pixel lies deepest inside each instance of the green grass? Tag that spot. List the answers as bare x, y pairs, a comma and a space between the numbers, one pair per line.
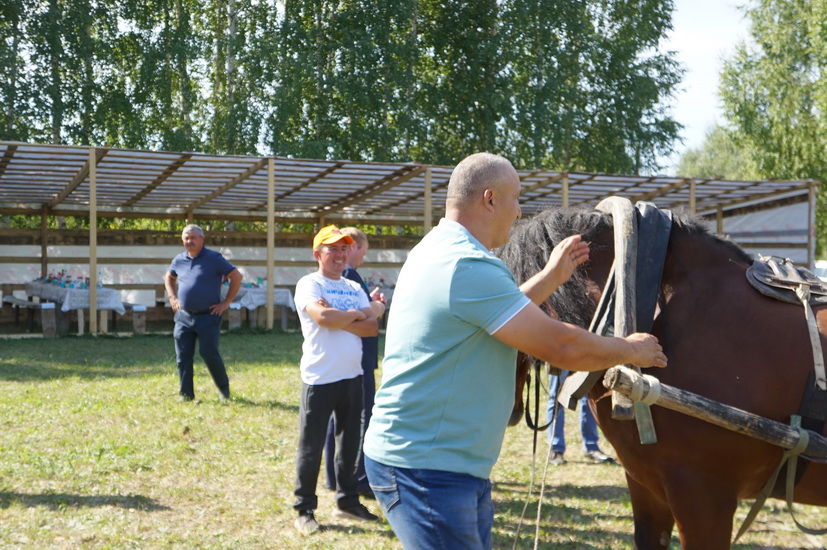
95, 452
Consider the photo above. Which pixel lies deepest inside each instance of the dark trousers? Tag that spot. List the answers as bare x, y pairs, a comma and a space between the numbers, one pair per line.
343, 399
368, 393
206, 329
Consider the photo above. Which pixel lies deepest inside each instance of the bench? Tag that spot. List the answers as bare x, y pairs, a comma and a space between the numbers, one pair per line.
47, 314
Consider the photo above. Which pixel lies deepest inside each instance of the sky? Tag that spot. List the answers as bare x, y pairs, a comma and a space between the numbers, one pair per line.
705, 32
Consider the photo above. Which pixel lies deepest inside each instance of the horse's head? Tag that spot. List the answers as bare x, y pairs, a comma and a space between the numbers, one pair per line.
527, 252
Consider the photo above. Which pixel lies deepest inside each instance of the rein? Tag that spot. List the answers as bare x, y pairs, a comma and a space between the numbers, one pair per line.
532, 424
536, 430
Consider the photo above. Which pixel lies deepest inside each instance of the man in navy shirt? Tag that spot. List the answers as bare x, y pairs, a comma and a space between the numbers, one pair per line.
193, 284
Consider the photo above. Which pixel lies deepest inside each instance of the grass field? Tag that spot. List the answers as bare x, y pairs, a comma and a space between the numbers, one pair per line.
96, 452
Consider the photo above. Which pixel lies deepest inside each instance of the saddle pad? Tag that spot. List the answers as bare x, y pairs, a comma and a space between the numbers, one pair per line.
778, 278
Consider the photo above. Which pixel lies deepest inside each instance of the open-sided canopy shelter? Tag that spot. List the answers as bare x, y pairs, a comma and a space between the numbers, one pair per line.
40, 179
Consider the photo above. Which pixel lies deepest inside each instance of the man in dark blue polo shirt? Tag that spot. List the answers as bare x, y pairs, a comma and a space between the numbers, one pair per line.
193, 285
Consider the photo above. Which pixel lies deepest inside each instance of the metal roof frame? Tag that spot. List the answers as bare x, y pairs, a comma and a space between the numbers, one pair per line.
136, 183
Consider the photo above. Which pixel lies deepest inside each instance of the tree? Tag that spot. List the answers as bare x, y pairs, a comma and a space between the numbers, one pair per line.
718, 157
15, 114
774, 92
588, 90
568, 84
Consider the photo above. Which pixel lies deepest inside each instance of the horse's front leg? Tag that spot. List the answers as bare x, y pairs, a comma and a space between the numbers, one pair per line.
703, 509
653, 518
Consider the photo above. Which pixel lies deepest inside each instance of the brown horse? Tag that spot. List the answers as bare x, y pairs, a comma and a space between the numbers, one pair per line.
724, 341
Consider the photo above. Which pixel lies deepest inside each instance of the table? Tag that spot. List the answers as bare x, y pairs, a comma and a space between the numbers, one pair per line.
78, 299
253, 298
75, 298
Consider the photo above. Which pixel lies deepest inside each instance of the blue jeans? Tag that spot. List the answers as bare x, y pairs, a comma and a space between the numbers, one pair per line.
588, 426
434, 509
205, 328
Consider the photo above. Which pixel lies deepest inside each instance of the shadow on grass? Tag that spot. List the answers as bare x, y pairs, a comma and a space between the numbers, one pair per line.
56, 501
567, 491
269, 404
27, 372
104, 356
567, 523
587, 538
355, 529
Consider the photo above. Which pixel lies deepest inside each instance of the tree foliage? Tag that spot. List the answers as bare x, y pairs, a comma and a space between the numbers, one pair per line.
774, 91
572, 84
720, 157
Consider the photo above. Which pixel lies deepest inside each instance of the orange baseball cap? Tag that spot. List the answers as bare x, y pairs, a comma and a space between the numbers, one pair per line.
330, 234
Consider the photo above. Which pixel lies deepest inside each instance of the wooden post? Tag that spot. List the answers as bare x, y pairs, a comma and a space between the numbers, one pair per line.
93, 243
47, 320
234, 316
252, 317
44, 242
811, 226
719, 221
631, 383
139, 319
81, 321
692, 197
428, 221
564, 197
103, 326
269, 284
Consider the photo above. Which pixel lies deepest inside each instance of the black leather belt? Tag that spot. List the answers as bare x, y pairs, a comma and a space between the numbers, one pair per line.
200, 312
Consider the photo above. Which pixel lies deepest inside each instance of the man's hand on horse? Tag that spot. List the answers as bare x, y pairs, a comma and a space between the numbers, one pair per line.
566, 256
646, 350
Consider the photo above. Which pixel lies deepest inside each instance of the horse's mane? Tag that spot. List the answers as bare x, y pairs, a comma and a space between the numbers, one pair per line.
533, 239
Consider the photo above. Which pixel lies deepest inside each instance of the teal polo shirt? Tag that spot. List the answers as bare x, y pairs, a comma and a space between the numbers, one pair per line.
447, 385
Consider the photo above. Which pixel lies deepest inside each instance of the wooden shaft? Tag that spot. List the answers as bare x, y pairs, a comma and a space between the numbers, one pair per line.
625, 243
624, 380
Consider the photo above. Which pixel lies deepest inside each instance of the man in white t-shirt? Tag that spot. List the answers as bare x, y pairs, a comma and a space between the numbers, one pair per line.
335, 314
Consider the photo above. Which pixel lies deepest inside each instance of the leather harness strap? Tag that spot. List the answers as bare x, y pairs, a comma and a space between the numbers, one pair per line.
803, 293
790, 458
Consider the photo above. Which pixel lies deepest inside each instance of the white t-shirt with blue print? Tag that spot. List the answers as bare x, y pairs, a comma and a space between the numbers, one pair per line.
447, 385
328, 355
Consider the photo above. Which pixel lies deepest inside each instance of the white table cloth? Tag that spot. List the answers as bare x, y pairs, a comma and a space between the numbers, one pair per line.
75, 298
251, 298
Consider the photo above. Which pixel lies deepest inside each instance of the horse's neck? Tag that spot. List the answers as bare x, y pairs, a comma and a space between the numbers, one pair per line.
699, 257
